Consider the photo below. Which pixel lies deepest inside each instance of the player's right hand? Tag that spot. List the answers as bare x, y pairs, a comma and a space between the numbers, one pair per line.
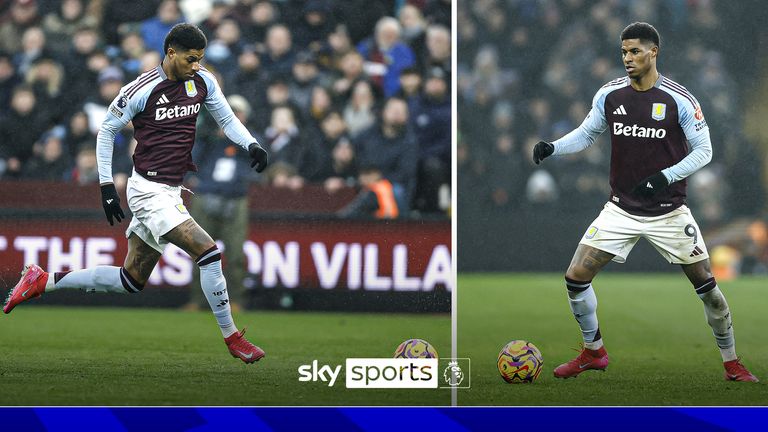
259, 157
542, 150
111, 203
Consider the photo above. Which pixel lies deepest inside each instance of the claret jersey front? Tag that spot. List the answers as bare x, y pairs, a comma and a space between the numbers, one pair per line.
164, 115
650, 131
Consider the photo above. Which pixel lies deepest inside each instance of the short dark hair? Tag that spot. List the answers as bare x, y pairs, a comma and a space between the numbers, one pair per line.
643, 31
183, 37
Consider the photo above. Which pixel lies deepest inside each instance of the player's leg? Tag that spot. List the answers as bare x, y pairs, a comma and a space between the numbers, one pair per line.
192, 239
610, 237
718, 317
130, 278
586, 263
677, 237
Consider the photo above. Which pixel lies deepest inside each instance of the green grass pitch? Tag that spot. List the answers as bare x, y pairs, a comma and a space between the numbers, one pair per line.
122, 356
662, 351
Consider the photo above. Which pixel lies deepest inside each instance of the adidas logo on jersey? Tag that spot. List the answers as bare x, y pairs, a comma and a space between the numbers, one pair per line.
176, 111
162, 100
620, 110
638, 131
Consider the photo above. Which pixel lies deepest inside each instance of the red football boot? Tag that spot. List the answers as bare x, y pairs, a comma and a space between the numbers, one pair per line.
735, 371
31, 285
586, 360
240, 348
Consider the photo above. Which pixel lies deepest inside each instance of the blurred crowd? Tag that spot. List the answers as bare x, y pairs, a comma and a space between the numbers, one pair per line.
528, 70
332, 88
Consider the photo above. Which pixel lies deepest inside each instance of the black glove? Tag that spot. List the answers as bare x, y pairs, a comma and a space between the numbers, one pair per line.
111, 203
650, 186
259, 157
542, 150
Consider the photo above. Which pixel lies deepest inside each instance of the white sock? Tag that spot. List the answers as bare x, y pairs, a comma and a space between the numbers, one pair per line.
215, 289
100, 279
719, 318
583, 302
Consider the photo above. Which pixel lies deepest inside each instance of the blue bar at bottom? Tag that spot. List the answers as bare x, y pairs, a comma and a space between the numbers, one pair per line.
626, 419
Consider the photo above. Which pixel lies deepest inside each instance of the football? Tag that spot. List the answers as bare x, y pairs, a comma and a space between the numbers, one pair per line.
520, 362
415, 348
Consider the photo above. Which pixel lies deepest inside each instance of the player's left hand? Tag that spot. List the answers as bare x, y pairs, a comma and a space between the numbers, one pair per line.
651, 185
259, 157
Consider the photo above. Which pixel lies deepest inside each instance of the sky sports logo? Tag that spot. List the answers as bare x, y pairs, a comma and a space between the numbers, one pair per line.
390, 373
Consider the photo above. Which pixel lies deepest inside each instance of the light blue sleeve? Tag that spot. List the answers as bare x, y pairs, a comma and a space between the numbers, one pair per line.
119, 113
696, 131
217, 105
586, 134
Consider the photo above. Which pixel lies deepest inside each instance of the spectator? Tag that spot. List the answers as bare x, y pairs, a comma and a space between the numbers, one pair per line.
351, 69
154, 29
360, 113
86, 171
438, 53
50, 161
60, 25
304, 77
376, 198
263, 16
336, 46
431, 117
315, 25
20, 130
414, 25
110, 81
22, 15
32, 49
249, 79
386, 56
334, 164
132, 49
221, 203
278, 58
224, 49
46, 77
391, 147
283, 141
8, 81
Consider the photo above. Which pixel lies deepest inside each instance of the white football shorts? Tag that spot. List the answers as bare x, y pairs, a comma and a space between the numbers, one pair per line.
675, 235
157, 208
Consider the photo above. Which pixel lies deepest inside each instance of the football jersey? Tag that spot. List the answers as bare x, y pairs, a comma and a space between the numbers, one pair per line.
650, 131
164, 114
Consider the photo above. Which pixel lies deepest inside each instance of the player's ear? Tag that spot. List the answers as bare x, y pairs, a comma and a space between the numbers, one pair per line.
171, 52
654, 51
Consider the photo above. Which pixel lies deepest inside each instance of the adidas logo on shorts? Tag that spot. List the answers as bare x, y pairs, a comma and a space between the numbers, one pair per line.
696, 252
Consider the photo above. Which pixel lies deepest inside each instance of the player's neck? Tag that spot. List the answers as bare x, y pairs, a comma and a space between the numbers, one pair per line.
645, 82
167, 69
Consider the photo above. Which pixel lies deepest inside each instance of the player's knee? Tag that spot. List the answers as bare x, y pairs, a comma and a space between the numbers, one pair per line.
578, 273
577, 285
210, 256
130, 282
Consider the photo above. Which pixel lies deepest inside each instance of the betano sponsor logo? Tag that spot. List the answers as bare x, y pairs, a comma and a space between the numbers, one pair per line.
638, 131
177, 111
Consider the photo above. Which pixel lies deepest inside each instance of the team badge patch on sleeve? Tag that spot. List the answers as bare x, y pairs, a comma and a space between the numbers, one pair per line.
181, 208
659, 111
190, 87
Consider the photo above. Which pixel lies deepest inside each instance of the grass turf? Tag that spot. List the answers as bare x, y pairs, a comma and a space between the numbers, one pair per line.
119, 356
662, 351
